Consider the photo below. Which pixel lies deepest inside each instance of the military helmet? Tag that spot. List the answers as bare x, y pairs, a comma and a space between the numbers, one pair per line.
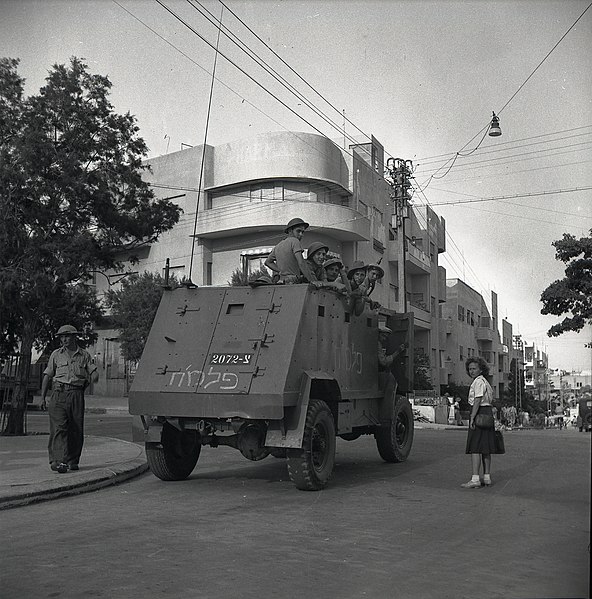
294, 223
67, 329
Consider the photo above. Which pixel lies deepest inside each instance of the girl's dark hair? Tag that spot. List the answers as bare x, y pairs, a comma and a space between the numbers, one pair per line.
483, 365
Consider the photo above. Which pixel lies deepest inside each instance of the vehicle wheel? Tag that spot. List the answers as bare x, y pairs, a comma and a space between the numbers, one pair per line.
174, 458
310, 468
394, 442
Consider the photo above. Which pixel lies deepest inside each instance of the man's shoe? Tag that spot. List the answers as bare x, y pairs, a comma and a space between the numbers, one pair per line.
472, 484
54, 466
74, 466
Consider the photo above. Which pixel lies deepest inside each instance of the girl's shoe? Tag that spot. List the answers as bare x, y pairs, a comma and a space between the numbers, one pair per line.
472, 484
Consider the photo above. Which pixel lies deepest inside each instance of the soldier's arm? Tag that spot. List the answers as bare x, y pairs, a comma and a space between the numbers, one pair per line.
304, 268
271, 263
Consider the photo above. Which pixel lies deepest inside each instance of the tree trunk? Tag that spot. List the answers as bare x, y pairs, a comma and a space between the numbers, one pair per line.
15, 424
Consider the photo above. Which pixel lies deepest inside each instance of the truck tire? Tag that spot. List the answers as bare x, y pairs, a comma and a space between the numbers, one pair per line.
394, 441
310, 468
174, 458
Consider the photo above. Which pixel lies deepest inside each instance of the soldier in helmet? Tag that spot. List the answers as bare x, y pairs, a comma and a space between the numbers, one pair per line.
315, 256
286, 259
71, 369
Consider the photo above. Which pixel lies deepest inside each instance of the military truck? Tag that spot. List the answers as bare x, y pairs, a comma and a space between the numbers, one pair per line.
274, 369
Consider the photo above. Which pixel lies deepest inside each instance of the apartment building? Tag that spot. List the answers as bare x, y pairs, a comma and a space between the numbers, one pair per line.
536, 372
250, 189
471, 330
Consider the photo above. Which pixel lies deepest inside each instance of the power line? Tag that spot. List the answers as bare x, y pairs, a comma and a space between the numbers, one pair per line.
504, 143
516, 157
520, 195
526, 170
293, 71
503, 107
534, 143
538, 208
263, 64
544, 59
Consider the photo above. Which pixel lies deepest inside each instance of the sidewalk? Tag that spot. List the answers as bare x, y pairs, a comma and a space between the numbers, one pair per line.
25, 476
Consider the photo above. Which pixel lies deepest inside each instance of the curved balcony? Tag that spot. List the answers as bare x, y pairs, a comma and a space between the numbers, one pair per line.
338, 222
278, 155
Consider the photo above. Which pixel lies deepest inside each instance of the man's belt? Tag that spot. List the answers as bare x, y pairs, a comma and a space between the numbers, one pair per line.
65, 386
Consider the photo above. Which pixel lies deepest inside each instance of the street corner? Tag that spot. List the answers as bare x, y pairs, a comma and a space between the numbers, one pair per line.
27, 479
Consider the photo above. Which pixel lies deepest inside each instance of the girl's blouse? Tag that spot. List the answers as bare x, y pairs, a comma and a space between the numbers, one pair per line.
480, 388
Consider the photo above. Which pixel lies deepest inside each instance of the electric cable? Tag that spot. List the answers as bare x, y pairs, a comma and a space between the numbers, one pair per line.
505, 105
503, 143
419, 165
203, 154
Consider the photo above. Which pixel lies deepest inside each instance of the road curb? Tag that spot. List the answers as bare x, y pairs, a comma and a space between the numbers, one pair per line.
84, 483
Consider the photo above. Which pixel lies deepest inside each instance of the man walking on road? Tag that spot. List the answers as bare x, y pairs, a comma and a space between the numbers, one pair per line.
71, 369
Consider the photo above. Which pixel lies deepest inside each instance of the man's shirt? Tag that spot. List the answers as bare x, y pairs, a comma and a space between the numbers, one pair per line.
285, 256
71, 370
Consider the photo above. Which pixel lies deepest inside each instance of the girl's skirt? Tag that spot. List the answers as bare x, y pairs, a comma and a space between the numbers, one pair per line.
482, 440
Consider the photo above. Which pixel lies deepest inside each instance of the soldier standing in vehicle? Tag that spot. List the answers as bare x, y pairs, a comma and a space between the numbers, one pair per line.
71, 369
286, 259
385, 378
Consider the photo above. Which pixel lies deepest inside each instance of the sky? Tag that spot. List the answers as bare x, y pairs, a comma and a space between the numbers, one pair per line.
422, 77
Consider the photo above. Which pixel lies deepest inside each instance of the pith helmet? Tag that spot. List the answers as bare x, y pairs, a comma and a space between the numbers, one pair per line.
378, 268
67, 329
294, 223
314, 247
355, 267
331, 262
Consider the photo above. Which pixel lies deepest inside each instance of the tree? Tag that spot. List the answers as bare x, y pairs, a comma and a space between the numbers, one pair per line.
133, 308
72, 201
422, 379
238, 278
571, 295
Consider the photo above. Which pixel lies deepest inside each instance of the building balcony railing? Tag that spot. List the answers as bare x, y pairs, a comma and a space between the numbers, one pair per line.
417, 262
339, 222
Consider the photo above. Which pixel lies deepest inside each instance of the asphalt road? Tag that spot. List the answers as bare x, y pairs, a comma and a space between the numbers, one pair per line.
239, 529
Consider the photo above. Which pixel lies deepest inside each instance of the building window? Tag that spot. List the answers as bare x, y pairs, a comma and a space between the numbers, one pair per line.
208, 273
460, 347
461, 313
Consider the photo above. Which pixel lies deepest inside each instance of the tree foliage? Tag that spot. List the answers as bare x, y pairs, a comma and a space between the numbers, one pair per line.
239, 279
72, 200
133, 308
571, 295
422, 379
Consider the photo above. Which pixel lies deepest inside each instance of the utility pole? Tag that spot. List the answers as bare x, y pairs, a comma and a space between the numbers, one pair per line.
399, 171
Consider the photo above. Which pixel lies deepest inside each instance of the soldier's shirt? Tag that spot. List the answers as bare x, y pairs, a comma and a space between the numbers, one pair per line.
285, 256
71, 370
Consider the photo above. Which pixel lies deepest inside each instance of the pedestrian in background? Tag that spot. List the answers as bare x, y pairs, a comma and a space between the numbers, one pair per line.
71, 369
480, 439
457, 414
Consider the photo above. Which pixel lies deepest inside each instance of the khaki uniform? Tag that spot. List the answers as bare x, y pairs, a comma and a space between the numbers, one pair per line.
70, 374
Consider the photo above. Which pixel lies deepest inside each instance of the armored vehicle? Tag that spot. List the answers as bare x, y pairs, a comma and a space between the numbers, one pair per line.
275, 369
